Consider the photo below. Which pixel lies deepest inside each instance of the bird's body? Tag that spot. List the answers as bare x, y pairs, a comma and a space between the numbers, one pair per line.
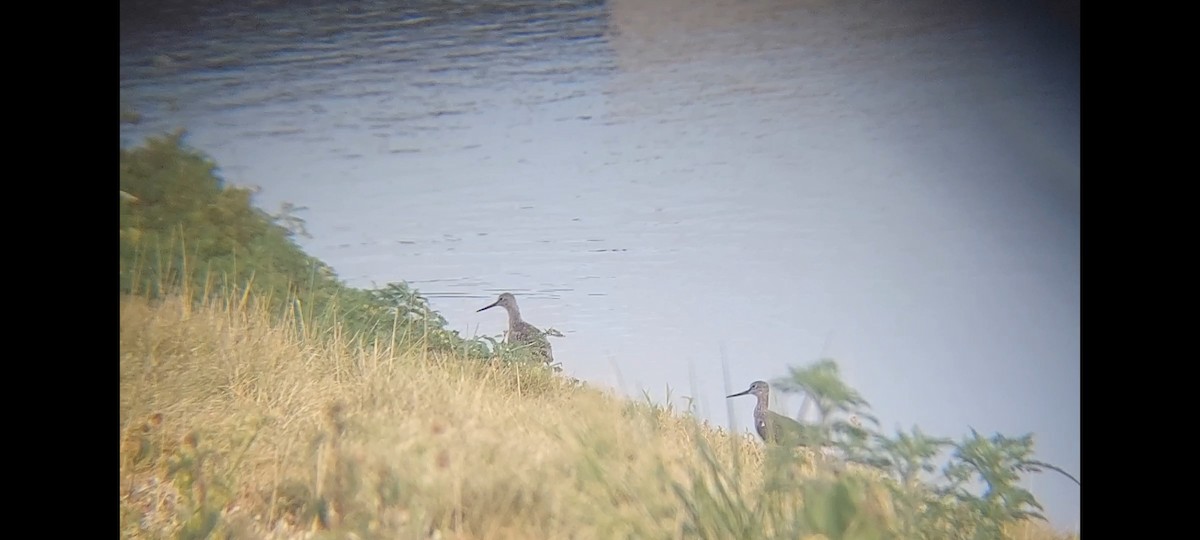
778, 427
521, 333
772, 426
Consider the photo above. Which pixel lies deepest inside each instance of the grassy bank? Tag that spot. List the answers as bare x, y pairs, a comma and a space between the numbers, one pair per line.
233, 425
263, 398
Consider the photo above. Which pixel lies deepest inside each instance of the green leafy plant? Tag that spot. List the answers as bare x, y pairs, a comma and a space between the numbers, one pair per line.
928, 505
834, 400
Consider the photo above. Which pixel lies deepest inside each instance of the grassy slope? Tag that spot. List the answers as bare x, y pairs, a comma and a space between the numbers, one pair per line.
235, 424
237, 420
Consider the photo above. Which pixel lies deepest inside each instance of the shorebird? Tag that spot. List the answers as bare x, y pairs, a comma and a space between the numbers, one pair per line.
520, 332
772, 426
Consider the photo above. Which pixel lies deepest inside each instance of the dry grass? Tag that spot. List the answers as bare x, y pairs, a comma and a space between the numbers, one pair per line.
233, 427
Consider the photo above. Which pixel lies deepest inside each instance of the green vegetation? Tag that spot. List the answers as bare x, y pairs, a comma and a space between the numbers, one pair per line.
941, 506
183, 229
261, 397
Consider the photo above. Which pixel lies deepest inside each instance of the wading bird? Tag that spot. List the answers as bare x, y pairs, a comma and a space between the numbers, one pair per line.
521, 333
772, 426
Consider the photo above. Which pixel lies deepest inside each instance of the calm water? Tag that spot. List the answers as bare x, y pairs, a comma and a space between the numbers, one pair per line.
674, 185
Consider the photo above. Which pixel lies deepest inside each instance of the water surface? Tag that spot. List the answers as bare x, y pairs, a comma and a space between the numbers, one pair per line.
674, 185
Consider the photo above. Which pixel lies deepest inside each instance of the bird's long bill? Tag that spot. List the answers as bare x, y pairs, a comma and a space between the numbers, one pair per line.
739, 394
489, 306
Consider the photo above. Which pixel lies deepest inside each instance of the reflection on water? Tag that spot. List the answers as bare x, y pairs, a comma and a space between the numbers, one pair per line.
893, 186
